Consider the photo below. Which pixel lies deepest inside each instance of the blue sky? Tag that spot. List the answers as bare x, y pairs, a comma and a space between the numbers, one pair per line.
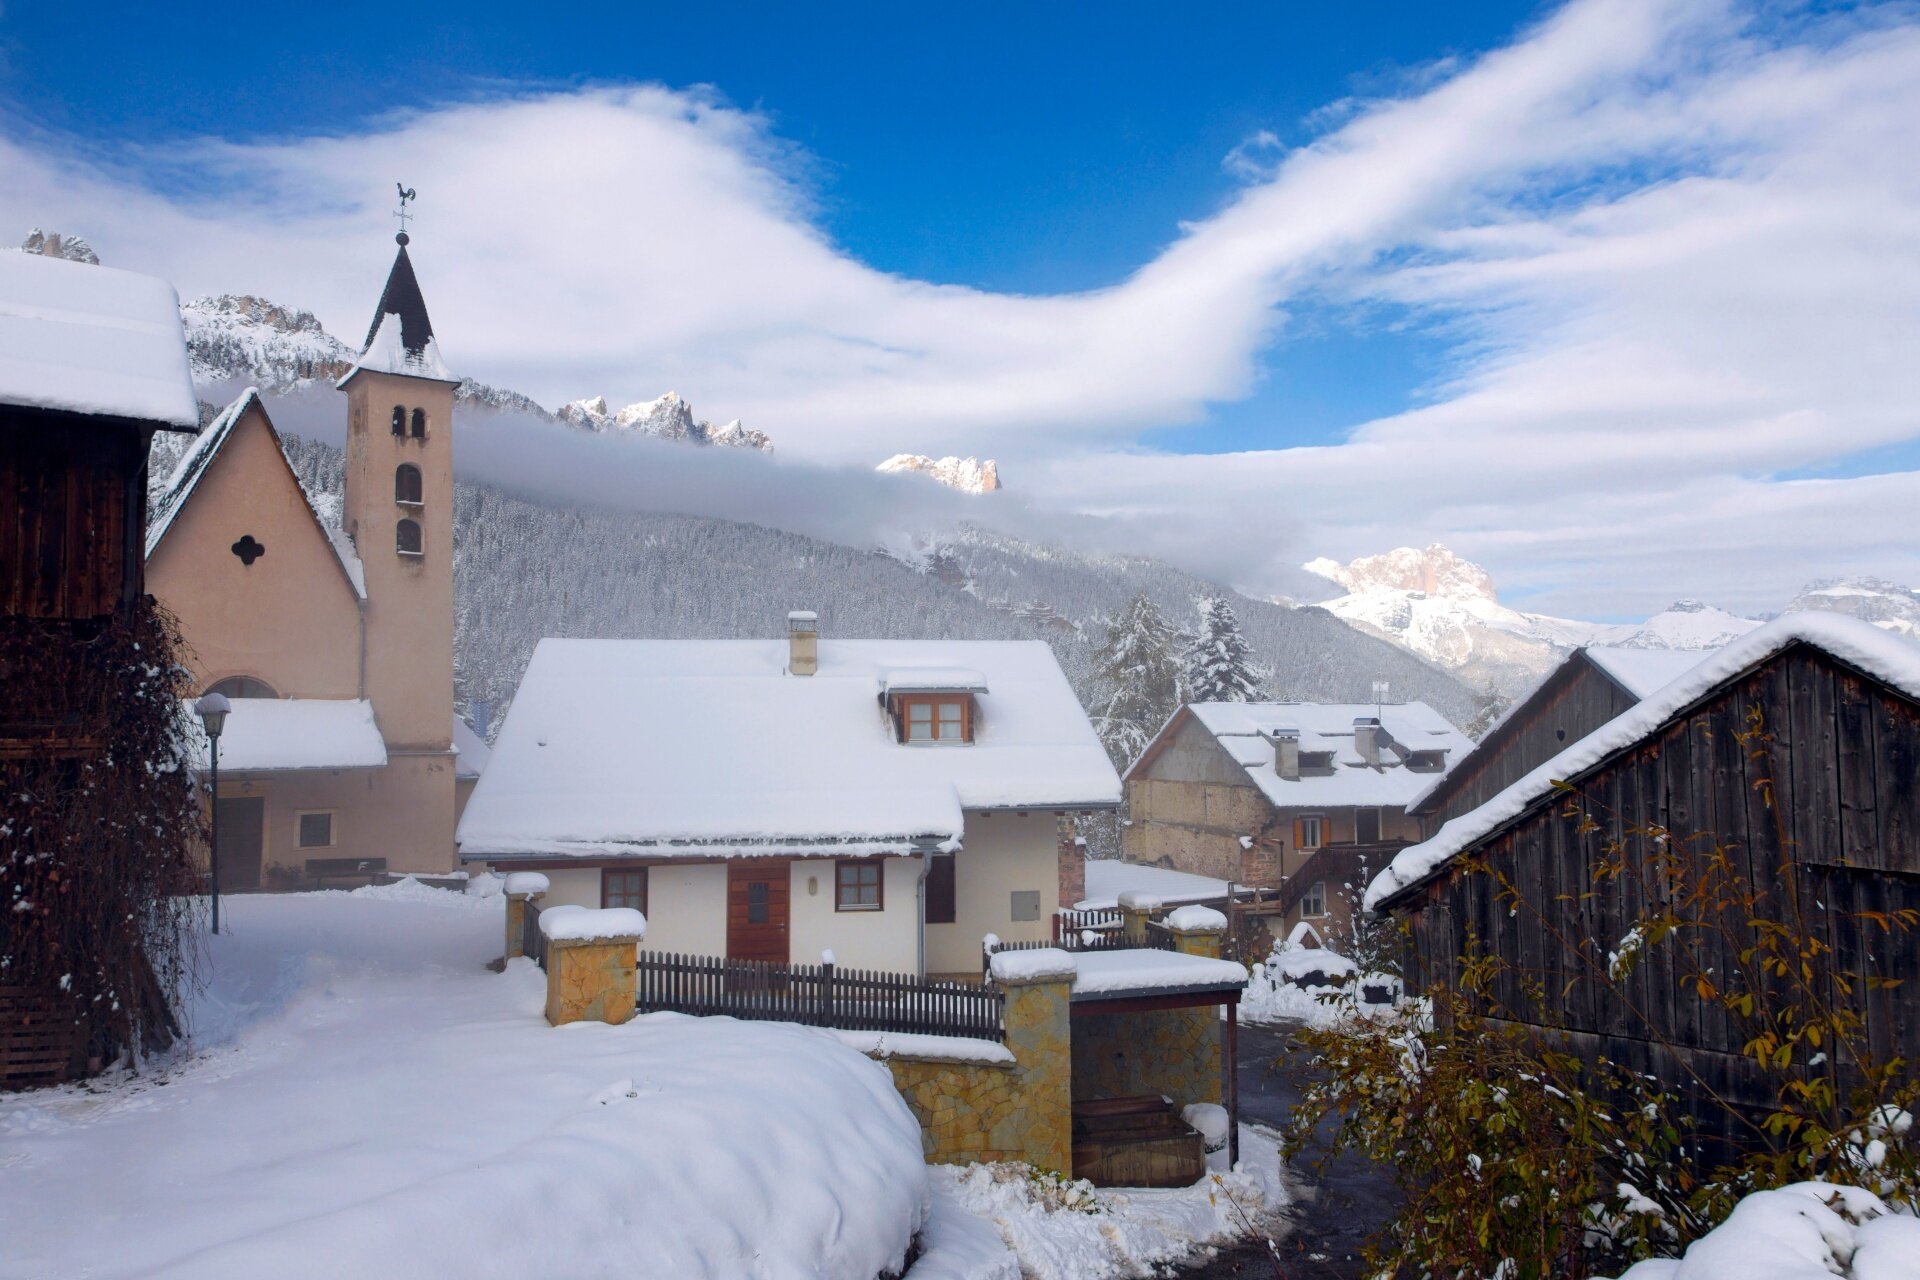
1019, 148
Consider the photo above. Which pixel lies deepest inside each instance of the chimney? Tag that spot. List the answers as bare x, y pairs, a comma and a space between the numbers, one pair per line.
1366, 740
803, 642
1286, 753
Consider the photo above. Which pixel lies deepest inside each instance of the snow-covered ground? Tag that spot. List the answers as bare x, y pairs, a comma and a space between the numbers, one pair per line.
365, 1098
1808, 1231
362, 1096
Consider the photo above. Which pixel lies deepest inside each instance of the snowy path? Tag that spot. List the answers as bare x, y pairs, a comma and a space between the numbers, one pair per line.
367, 1099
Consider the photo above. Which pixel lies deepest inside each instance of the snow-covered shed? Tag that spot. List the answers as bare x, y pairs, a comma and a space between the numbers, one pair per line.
1291, 798
1794, 751
1588, 688
890, 800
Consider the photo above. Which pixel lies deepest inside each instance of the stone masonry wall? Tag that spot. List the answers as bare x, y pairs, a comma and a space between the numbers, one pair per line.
1173, 1052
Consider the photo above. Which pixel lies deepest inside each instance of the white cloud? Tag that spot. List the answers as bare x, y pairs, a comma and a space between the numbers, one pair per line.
1677, 246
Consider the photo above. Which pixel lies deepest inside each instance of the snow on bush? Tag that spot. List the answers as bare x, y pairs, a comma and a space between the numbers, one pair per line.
1807, 1231
1313, 985
363, 1098
1065, 1229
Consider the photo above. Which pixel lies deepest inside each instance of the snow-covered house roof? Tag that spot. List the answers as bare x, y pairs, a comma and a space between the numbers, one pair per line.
471, 749
198, 459
1861, 645
1108, 878
78, 338
274, 735
400, 339
933, 680
707, 747
1418, 742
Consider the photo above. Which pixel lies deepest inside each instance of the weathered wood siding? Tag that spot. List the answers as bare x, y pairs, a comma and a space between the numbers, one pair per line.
70, 528
1842, 830
1578, 699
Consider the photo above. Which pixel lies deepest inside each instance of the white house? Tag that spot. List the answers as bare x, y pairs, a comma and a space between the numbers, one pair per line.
891, 801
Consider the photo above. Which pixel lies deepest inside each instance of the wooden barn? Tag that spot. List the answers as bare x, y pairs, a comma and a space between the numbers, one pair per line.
92, 363
1589, 688
1793, 752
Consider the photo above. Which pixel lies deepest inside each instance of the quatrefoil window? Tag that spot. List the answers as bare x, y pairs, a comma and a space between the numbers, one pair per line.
248, 549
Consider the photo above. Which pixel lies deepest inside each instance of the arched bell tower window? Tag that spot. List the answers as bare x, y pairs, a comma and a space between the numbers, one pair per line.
406, 484
243, 687
399, 420
406, 538
419, 424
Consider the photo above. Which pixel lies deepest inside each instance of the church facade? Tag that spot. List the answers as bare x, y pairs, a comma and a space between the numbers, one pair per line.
329, 624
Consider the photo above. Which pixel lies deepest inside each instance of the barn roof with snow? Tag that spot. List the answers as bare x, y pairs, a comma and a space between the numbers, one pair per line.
78, 338
1415, 743
705, 748
1855, 643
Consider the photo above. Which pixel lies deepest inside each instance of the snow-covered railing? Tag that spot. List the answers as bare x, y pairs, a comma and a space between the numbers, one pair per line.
822, 995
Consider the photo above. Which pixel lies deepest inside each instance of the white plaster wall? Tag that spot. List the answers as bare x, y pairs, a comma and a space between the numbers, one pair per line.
572, 888
887, 939
687, 909
1002, 852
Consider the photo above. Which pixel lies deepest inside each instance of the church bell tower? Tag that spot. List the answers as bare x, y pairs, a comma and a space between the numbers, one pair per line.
399, 513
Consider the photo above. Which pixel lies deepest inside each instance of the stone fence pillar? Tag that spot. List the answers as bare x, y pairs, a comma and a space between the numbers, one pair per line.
1039, 986
590, 963
522, 887
1197, 931
1135, 910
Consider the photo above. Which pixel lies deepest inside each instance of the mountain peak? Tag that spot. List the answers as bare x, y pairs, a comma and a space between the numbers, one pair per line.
52, 244
1434, 571
667, 417
969, 475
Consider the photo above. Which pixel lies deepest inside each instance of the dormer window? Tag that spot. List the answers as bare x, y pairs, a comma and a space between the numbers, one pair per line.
942, 719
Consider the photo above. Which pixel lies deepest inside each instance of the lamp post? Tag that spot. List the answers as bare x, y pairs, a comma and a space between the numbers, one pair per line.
212, 709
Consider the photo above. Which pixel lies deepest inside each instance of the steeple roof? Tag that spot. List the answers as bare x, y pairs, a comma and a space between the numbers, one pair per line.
400, 339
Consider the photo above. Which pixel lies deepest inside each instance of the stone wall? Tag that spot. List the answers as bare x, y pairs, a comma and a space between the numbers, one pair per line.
1173, 1052
590, 980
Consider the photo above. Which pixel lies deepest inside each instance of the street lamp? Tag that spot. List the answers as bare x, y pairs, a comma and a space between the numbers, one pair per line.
212, 709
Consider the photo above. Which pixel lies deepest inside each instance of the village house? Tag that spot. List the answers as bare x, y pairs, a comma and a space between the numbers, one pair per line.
92, 363
890, 801
1791, 756
1289, 797
328, 623
1589, 688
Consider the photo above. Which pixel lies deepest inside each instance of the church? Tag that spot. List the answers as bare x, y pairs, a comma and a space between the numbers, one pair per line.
328, 623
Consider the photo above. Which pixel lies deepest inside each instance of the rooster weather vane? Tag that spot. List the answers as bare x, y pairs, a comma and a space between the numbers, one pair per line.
406, 194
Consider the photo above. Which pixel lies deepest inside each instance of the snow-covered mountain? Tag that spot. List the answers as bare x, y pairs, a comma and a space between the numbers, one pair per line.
1885, 604
669, 418
54, 245
1446, 610
969, 475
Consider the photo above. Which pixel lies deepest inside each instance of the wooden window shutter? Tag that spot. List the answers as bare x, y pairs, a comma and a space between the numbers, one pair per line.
940, 891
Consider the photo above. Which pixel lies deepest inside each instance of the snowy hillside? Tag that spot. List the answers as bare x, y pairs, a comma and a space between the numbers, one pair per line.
527, 570
1684, 624
969, 475
667, 418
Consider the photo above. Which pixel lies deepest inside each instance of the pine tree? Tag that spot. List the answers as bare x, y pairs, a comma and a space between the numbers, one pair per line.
1137, 666
1488, 707
1219, 664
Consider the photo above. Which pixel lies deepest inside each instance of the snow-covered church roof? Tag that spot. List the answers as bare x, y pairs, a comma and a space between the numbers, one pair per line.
1245, 731
400, 339
1858, 643
79, 338
708, 748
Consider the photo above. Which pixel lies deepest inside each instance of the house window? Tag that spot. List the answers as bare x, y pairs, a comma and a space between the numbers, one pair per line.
399, 420
1366, 826
316, 830
406, 538
419, 424
940, 890
626, 887
243, 687
943, 718
1308, 832
856, 885
406, 484
1313, 902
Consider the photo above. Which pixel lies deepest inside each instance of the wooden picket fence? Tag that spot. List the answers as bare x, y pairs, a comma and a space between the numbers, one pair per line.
822, 995
532, 942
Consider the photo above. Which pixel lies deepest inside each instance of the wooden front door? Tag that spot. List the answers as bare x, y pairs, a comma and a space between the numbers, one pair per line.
757, 909
242, 823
